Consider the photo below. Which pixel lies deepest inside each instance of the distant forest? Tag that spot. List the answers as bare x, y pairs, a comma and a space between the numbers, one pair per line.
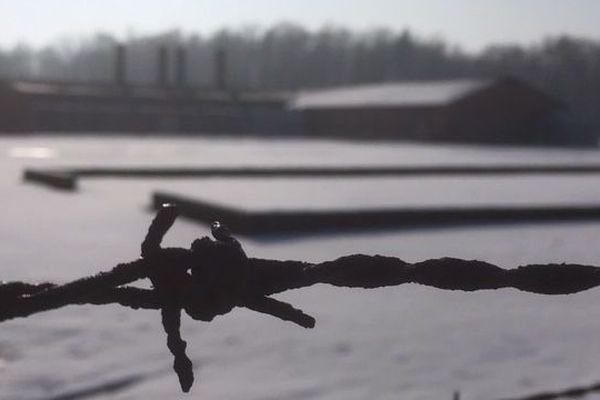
289, 57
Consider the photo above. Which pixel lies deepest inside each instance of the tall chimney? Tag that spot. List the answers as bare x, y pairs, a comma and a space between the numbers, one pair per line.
221, 67
120, 64
163, 67
181, 65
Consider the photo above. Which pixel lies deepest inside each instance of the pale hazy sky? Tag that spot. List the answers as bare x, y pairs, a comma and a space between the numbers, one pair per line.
470, 23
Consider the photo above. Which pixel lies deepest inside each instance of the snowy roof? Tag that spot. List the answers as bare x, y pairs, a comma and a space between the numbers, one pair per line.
139, 91
396, 94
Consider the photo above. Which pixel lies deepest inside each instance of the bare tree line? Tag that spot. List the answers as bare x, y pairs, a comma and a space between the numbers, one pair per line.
289, 57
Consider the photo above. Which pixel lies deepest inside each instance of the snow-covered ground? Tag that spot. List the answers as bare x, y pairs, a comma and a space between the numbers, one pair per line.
407, 342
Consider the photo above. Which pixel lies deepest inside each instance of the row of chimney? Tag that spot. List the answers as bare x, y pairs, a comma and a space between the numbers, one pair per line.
162, 78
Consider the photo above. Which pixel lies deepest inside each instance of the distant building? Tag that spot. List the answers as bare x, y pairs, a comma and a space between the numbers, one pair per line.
473, 111
70, 107
167, 106
503, 111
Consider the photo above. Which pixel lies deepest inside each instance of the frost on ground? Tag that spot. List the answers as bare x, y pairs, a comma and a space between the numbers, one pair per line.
409, 342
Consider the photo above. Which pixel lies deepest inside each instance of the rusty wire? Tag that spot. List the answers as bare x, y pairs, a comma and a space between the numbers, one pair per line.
214, 276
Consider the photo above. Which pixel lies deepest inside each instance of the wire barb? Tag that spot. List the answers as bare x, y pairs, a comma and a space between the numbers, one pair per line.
214, 276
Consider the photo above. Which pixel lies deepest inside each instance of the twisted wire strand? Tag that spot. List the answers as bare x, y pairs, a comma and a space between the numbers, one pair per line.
215, 276
21, 299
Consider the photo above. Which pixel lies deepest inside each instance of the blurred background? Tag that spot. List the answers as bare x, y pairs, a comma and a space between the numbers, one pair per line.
423, 129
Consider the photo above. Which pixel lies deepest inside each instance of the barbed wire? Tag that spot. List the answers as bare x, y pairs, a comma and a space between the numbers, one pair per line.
214, 276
